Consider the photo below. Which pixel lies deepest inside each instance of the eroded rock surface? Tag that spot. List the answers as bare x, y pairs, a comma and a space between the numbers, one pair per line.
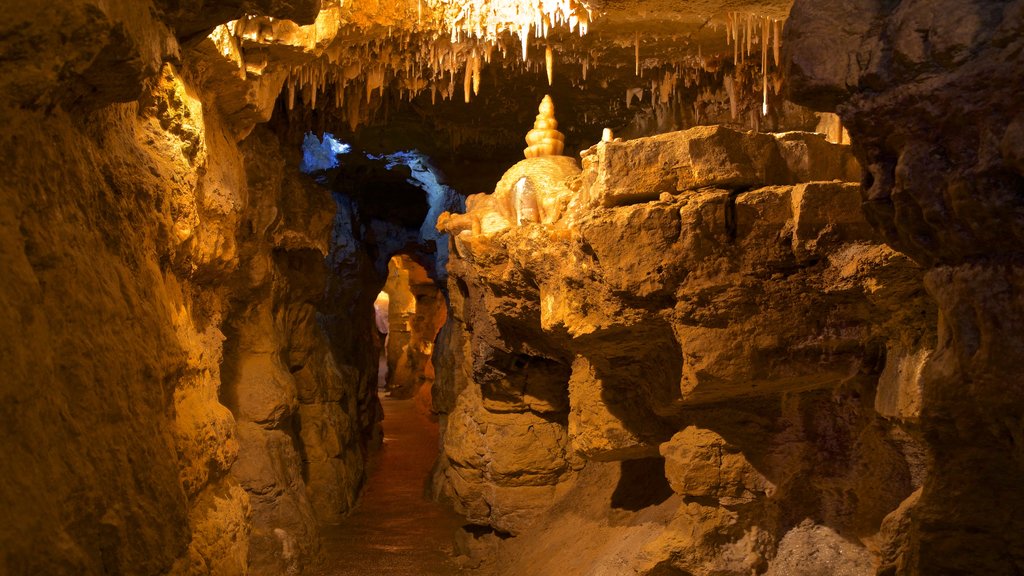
172, 405
717, 322
416, 311
930, 93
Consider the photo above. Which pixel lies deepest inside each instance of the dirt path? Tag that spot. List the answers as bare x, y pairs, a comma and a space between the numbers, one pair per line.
396, 530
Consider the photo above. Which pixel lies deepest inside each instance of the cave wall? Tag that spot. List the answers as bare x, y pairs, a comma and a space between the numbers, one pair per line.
930, 93
172, 403
695, 348
152, 267
417, 309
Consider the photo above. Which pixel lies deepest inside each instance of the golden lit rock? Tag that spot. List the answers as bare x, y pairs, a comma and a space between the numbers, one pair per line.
719, 343
544, 139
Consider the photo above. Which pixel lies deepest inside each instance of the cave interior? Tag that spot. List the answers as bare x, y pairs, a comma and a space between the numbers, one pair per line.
508, 287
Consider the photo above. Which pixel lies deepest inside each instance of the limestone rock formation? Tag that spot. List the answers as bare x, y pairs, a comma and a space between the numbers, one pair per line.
185, 410
544, 139
706, 352
727, 315
417, 310
930, 94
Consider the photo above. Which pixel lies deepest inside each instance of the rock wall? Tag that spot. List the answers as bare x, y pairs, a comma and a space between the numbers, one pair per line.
172, 404
707, 356
417, 310
930, 93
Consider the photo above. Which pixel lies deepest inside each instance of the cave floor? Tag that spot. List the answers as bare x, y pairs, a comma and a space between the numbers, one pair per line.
396, 529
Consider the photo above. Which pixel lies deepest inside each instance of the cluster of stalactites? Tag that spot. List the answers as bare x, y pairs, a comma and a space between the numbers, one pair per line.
743, 32
488, 20
416, 62
351, 78
544, 139
448, 51
751, 36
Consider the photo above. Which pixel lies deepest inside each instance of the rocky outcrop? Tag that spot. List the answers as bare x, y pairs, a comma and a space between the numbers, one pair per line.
301, 451
172, 405
719, 323
417, 310
930, 94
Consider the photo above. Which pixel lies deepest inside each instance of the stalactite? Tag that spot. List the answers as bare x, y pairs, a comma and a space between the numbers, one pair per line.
549, 63
750, 32
476, 74
764, 69
730, 89
636, 50
735, 38
632, 93
764, 45
778, 40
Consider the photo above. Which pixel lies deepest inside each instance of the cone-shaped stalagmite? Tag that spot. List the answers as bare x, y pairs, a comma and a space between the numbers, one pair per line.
544, 139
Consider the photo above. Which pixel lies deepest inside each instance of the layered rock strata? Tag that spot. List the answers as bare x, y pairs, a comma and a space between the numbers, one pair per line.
710, 333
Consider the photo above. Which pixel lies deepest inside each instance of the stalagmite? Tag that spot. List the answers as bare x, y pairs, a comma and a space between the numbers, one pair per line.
525, 202
544, 139
606, 135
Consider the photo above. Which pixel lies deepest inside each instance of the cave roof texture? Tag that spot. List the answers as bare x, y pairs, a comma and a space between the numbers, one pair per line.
393, 75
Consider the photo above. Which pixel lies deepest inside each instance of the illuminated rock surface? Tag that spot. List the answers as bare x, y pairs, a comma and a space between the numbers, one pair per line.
735, 326
417, 310
713, 346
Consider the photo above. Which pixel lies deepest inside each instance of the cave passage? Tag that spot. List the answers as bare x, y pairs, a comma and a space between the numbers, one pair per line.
395, 529
747, 303
410, 310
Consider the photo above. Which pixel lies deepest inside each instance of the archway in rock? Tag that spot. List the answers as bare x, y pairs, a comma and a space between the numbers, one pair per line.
385, 306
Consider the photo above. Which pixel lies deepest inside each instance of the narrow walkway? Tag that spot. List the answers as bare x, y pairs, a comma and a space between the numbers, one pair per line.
395, 530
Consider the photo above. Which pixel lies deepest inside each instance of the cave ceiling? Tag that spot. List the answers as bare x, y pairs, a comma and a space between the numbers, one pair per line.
451, 79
